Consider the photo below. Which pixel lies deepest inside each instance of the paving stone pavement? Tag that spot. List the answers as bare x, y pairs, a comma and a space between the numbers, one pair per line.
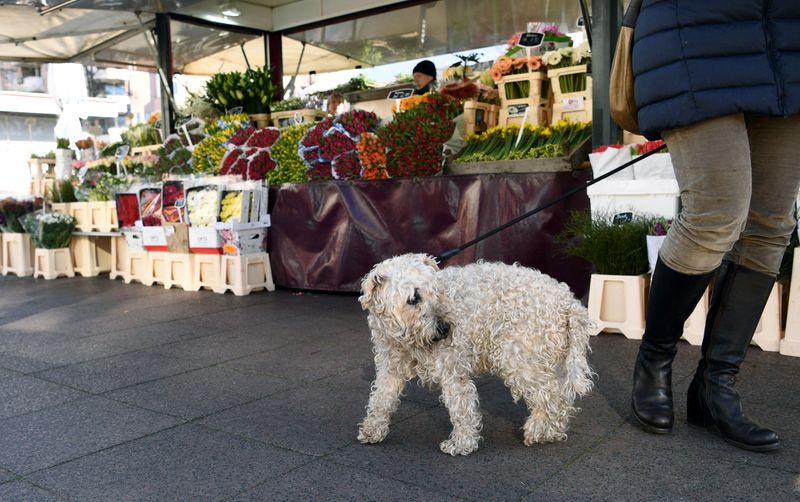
115, 392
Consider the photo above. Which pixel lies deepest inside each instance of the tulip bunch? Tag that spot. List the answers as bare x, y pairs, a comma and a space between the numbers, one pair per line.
415, 137
506, 142
373, 157
290, 168
242, 136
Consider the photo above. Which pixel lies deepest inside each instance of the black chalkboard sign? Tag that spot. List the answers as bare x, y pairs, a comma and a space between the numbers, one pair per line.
400, 94
531, 39
625, 217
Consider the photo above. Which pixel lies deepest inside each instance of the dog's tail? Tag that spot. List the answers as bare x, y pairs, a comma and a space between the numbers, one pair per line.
579, 374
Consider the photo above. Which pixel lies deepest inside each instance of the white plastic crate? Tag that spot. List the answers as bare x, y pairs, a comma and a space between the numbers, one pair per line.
653, 197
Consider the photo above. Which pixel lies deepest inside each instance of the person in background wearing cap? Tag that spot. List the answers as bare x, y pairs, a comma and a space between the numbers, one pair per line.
424, 77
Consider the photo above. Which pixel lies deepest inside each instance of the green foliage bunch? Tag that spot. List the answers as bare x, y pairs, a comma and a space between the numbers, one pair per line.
613, 248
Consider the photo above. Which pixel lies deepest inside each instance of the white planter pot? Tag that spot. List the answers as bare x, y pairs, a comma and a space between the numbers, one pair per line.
63, 169
617, 304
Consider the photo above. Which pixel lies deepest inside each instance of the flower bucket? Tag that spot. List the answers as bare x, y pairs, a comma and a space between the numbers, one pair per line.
63, 169
610, 159
656, 167
654, 243
572, 93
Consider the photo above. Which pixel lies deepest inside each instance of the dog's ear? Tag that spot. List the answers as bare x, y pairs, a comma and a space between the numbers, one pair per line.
372, 281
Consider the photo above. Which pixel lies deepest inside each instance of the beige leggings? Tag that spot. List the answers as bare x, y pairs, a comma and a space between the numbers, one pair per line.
738, 177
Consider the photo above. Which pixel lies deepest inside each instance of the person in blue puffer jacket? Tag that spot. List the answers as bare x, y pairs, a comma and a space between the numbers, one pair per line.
719, 81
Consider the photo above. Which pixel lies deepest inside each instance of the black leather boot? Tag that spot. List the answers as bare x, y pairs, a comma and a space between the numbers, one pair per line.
673, 296
740, 295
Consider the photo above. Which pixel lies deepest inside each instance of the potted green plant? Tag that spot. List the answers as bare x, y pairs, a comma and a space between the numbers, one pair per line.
252, 91
618, 250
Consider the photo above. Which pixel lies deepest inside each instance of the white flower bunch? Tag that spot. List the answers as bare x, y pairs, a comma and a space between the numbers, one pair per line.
203, 206
51, 218
567, 56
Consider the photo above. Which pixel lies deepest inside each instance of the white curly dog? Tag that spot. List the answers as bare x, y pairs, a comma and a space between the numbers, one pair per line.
447, 326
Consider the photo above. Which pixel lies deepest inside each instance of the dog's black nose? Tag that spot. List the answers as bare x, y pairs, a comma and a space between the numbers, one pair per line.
442, 330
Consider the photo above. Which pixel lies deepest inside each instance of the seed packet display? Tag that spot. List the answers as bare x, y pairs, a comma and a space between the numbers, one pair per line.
173, 191
202, 204
150, 206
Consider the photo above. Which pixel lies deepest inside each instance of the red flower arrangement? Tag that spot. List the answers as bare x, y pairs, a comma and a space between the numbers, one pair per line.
171, 191
649, 146
601, 149
264, 138
347, 166
460, 90
415, 137
335, 143
150, 206
310, 154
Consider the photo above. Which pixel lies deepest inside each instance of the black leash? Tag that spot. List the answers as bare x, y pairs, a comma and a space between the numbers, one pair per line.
452, 252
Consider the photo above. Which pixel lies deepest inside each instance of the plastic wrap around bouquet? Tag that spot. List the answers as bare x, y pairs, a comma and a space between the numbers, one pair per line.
330, 148
249, 154
49, 230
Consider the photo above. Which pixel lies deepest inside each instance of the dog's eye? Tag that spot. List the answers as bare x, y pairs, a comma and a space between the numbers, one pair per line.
414, 299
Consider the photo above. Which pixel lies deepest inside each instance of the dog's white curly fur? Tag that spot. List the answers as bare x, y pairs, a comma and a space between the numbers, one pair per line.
507, 320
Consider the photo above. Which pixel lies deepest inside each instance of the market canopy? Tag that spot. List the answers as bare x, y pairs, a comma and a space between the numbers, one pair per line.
108, 32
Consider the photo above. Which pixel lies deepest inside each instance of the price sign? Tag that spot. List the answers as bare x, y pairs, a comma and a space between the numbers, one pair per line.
122, 151
531, 39
573, 104
400, 94
516, 110
237, 110
625, 217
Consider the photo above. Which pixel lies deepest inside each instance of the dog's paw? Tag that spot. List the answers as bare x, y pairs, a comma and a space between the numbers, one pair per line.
459, 446
372, 434
530, 439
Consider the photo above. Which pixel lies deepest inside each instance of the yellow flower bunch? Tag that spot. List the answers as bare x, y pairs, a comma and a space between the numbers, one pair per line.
408, 103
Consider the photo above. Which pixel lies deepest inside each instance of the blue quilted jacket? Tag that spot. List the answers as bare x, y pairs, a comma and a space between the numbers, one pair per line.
699, 59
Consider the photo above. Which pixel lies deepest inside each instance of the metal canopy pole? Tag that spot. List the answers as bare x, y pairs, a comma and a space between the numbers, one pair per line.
607, 16
163, 59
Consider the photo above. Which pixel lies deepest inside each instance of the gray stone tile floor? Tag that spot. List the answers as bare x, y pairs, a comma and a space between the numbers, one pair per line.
115, 392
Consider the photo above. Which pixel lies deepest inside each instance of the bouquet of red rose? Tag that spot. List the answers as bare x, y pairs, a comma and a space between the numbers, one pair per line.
259, 164
335, 143
312, 137
264, 138
242, 135
357, 122
347, 166
415, 137
319, 171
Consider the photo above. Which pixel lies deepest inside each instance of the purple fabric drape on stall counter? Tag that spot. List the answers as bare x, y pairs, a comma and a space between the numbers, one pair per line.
326, 235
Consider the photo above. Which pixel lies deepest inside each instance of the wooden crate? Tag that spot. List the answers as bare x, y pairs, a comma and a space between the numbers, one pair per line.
576, 106
478, 117
512, 108
289, 117
569, 162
